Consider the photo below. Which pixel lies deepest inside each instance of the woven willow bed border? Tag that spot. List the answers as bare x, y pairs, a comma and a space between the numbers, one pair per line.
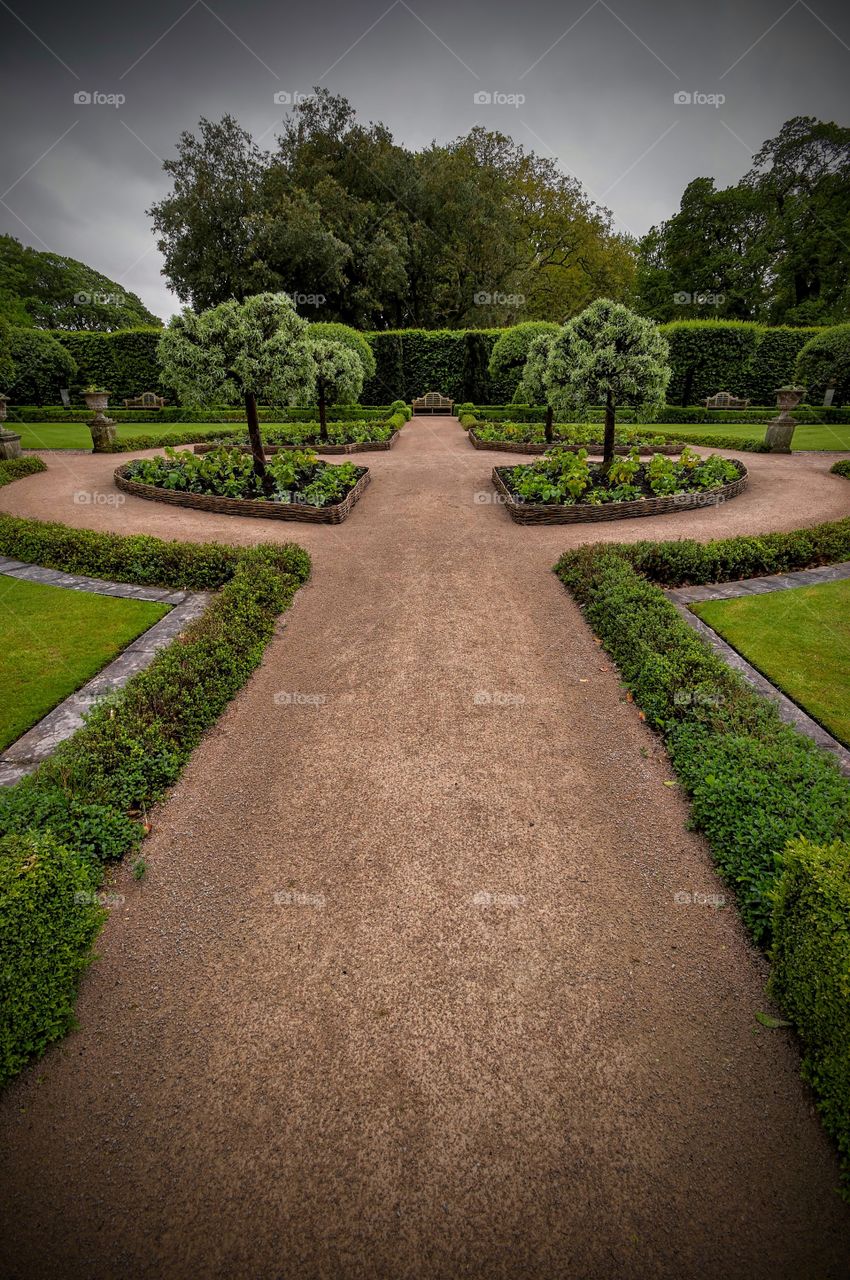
360, 446
334, 514
550, 513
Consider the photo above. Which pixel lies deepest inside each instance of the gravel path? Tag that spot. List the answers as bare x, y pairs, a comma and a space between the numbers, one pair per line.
407, 991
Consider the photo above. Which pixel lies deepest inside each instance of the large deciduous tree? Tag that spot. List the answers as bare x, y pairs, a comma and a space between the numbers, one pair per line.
239, 351
608, 355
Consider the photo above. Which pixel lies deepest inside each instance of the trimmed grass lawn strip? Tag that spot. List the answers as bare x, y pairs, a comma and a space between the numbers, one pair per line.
53, 640
800, 640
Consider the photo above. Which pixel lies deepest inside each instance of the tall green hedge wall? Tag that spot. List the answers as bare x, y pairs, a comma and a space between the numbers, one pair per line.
706, 356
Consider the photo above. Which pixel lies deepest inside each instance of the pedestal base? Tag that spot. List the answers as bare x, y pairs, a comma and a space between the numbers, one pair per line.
779, 434
10, 444
103, 435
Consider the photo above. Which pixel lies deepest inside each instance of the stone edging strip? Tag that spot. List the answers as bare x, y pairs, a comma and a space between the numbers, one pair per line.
42, 739
683, 597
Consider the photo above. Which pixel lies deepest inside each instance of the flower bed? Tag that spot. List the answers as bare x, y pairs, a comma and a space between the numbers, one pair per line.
564, 488
224, 481
529, 439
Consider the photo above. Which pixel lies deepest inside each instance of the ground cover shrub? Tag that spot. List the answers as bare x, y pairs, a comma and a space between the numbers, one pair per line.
841, 468
14, 468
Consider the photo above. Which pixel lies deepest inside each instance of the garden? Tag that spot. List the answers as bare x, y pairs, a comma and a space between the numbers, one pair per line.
457, 673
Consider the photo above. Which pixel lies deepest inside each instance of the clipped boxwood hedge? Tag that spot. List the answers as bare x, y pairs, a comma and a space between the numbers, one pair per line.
86, 805
811, 974
49, 919
14, 468
174, 414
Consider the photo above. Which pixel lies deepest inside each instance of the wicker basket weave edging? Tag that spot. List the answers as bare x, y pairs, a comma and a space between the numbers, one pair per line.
334, 514
516, 446
359, 446
551, 513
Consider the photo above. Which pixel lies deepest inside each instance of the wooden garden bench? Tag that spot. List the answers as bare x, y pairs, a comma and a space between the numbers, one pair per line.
147, 400
433, 402
725, 400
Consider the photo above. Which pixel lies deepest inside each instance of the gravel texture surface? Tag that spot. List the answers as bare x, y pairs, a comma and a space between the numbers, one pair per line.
409, 989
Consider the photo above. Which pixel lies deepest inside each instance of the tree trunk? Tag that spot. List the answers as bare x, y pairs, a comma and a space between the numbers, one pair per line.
550, 415
323, 415
687, 386
608, 441
257, 443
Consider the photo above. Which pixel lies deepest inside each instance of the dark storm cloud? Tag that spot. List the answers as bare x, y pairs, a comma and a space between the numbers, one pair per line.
592, 85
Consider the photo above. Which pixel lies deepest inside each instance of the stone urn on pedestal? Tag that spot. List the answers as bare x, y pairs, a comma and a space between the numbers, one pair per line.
10, 441
780, 430
102, 428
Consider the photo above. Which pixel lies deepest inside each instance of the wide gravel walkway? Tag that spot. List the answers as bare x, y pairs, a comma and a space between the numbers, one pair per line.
407, 990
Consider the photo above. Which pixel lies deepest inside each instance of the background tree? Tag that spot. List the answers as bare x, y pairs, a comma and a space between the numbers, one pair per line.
510, 351
339, 376
8, 368
239, 351
823, 361
535, 374
47, 291
42, 366
608, 355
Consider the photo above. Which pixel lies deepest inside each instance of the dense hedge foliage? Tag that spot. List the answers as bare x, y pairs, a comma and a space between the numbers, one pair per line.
826, 358
42, 366
754, 782
91, 797
811, 974
49, 918
706, 356
841, 468
14, 468
125, 362
174, 414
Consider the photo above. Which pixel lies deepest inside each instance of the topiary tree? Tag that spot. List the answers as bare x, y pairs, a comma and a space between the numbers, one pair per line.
331, 331
612, 356
826, 359
510, 350
534, 377
236, 352
338, 376
42, 367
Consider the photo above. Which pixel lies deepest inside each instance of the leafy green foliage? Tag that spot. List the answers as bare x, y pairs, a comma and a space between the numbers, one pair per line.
329, 331
229, 473
14, 468
708, 356
49, 918
753, 781
257, 347
841, 468
41, 365
565, 477
338, 371
510, 353
824, 359
811, 974
48, 291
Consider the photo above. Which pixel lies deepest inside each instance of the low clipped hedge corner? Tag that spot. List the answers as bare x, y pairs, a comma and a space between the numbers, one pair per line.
811, 975
841, 468
774, 808
49, 919
15, 468
87, 804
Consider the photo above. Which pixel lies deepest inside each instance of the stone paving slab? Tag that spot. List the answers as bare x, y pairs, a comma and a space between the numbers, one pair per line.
761, 585
39, 742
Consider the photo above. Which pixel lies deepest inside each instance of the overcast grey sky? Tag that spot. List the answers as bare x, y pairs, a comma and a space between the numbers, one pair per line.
599, 82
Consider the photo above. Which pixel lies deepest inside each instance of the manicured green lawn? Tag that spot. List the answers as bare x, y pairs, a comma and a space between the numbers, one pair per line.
52, 640
809, 435
76, 435
800, 640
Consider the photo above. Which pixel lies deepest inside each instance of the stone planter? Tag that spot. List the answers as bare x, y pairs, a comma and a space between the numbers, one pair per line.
10, 441
780, 430
102, 428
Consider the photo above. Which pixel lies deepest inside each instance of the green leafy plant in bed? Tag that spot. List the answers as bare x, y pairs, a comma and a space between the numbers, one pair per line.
564, 477
573, 434
296, 476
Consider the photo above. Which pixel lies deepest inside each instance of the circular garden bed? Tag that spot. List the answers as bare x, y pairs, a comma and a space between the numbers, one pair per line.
224, 481
564, 488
